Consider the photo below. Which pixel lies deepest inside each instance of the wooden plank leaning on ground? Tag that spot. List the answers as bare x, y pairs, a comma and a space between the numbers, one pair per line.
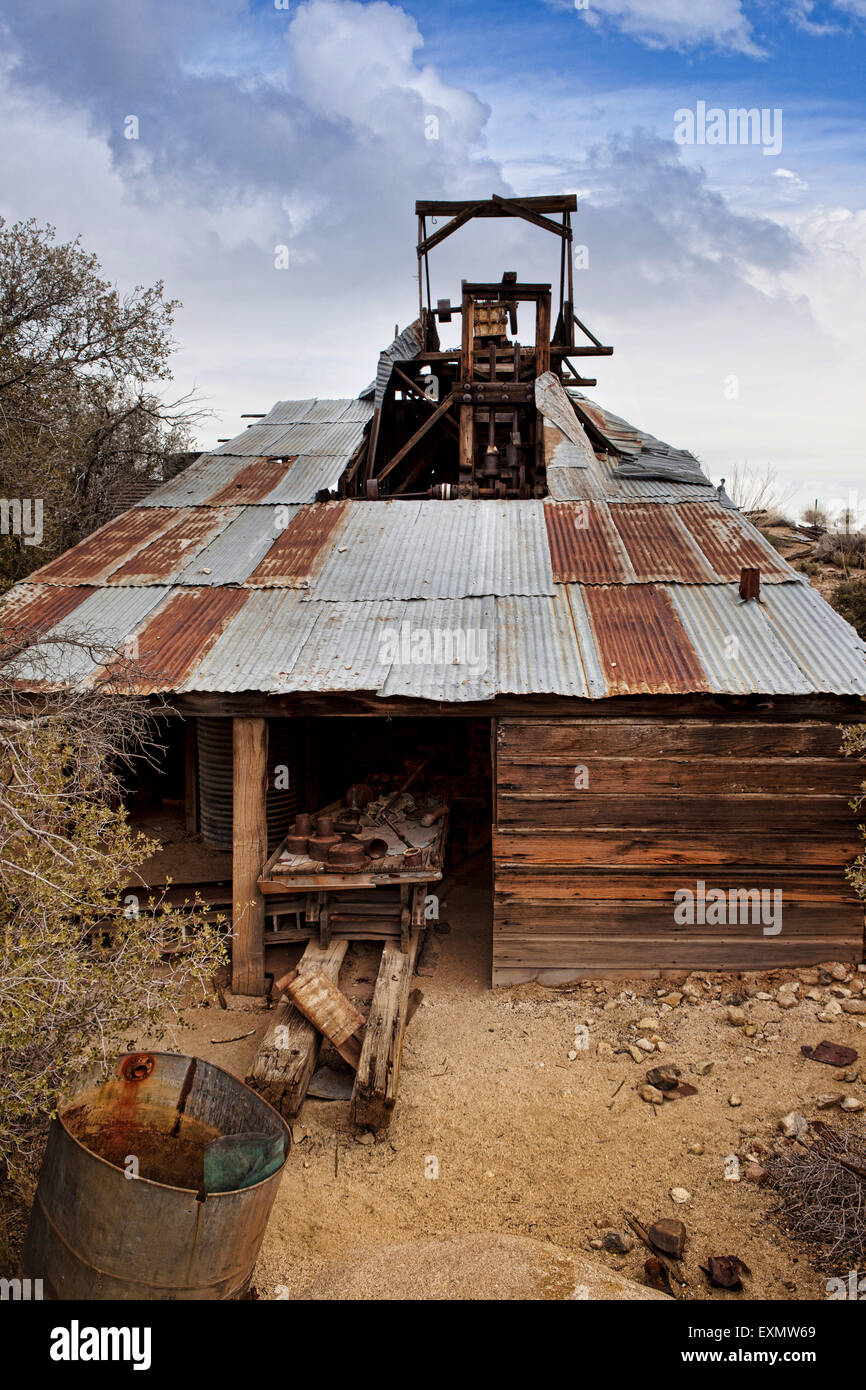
378, 1074
285, 1061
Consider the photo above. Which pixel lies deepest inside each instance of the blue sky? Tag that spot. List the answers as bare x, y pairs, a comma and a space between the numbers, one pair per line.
731, 282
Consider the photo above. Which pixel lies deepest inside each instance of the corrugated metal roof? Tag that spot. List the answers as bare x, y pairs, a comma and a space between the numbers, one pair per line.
735, 642
164, 558
824, 646
253, 481
458, 549
299, 549
642, 645
585, 546
443, 649
730, 541
104, 623
30, 610
658, 546
258, 647
403, 348
327, 412
177, 636
234, 553
92, 559
292, 480
539, 650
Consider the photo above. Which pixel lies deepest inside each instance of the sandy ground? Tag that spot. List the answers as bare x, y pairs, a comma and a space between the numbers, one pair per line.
528, 1144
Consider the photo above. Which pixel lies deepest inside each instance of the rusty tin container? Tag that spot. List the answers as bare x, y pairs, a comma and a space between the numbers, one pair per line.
97, 1232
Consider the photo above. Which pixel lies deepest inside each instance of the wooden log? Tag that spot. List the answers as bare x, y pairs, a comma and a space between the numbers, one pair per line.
317, 997
289, 1050
375, 1093
249, 852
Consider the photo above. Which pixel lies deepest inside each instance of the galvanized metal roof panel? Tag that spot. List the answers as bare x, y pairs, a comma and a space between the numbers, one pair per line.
826, 648
258, 647
736, 644
236, 550
537, 648
299, 548
309, 475
328, 412
442, 649
195, 484
347, 648
340, 438
458, 549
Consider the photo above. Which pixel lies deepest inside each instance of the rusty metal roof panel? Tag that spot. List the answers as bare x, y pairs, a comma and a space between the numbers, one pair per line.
194, 485
458, 549
175, 639
166, 556
642, 645
300, 548
103, 624
252, 480
659, 546
443, 649
29, 610
585, 546
737, 645
826, 649
258, 647
94, 558
539, 651
730, 542
309, 475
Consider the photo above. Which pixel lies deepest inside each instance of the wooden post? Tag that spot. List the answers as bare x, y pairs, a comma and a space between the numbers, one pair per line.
190, 779
542, 335
249, 852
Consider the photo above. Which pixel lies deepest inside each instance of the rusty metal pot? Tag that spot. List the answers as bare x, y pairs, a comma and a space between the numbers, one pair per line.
348, 853
297, 844
303, 823
319, 846
324, 827
375, 848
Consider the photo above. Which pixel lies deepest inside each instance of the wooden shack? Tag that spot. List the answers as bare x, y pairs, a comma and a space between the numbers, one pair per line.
476, 554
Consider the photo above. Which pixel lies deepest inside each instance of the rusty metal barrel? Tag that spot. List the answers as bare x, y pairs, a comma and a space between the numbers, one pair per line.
157, 1184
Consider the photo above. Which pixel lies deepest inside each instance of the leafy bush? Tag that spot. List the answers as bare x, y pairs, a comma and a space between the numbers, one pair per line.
849, 599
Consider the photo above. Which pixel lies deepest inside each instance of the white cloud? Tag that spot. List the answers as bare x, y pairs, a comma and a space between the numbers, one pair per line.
680, 24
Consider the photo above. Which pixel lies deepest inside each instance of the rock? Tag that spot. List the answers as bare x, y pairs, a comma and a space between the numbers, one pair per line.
809, 976
754, 1172
763, 996
750, 1030
669, 1236
827, 1100
793, 1125
840, 992
664, 1078
736, 1017
604, 1049
596, 1244
571, 1055
651, 1095
851, 1104
696, 1148
786, 1000
635, 1053
366, 1138
703, 1068
735, 1101
647, 1025
853, 1006
815, 995
645, 1045
680, 1195
674, 999
838, 972
602, 1224
618, 1242
831, 1010
848, 1076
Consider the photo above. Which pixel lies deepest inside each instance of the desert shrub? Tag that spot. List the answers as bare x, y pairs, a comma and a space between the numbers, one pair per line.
849, 599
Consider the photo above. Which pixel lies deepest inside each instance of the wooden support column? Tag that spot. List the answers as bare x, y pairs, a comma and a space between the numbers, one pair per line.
190, 779
249, 852
542, 335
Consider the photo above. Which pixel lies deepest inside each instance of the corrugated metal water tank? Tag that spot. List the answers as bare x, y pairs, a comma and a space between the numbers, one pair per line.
214, 754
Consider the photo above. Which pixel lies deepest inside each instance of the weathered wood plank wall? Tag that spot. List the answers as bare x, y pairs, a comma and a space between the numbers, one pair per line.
599, 821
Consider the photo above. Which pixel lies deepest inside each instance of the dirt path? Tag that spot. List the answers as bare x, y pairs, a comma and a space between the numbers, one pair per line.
530, 1144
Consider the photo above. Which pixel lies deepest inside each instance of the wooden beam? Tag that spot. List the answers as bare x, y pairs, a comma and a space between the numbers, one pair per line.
542, 336
462, 217
190, 780
556, 202
419, 434
289, 1050
325, 1005
249, 852
378, 1073
512, 207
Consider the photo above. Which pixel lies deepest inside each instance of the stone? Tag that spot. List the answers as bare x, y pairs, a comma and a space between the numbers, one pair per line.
831, 1010
618, 1242
646, 1025
827, 1100
696, 1148
750, 1030
664, 1078
645, 1045
602, 1224
571, 1055
786, 1000
604, 1049
703, 1068
754, 1172
652, 1095
840, 992
854, 1006
736, 1017
851, 1104
635, 1053
838, 971
848, 1076
735, 1100
674, 999
669, 1236
366, 1138
815, 995
596, 1244
680, 1195
763, 996
809, 976
793, 1125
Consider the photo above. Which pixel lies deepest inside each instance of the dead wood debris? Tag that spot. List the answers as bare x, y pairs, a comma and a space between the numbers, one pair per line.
822, 1183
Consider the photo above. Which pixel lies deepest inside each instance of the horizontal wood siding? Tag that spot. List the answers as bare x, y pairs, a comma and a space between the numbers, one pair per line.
600, 821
